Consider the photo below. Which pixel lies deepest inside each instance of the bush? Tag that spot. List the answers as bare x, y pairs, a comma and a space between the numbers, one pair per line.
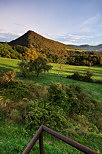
79, 77
18, 90
89, 73
72, 98
38, 112
8, 77
57, 94
96, 115
79, 101
76, 75
24, 68
88, 76
34, 104
5, 108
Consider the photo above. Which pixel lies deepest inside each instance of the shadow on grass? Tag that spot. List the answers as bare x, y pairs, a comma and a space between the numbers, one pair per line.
5, 69
6, 66
45, 78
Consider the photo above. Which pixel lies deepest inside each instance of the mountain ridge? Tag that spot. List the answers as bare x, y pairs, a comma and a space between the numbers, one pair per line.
38, 42
89, 47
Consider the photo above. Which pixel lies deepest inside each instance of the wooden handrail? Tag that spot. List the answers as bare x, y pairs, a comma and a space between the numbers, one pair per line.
39, 135
32, 142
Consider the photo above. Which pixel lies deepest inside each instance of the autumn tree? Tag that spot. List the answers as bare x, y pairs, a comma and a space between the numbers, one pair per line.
31, 55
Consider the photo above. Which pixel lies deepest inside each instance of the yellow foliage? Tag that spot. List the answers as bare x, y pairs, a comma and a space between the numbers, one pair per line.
31, 55
8, 77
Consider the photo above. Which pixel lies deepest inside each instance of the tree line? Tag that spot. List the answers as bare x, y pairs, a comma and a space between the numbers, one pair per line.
73, 56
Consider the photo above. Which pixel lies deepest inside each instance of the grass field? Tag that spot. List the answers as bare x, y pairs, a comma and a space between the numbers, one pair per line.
59, 75
8, 64
15, 137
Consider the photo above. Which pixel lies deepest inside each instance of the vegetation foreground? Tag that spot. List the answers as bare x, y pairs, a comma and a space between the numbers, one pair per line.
71, 107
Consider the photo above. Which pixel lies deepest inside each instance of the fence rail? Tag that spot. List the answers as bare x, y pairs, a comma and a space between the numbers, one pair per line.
39, 135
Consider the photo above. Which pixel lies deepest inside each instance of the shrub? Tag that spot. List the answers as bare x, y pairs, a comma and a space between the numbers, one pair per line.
24, 68
79, 77
46, 114
19, 90
15, 116
5, 108
51, 107
8, 77
96, 115
72, 98
76, 75
89, 74
38, 112
2, 109
57, 94
79, 101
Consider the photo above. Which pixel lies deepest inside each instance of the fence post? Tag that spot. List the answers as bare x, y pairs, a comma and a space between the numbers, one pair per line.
41, 147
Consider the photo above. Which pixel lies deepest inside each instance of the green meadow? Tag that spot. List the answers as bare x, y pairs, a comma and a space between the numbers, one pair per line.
58, 74
58, 69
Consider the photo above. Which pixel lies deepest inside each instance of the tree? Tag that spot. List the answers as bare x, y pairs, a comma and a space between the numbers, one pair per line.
31, 55
39, 65
61, 60
24, 68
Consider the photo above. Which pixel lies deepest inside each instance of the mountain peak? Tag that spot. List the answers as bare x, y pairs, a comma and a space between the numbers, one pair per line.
30, 32
39, 43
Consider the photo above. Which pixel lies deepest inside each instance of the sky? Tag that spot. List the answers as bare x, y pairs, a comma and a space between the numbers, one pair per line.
67, 21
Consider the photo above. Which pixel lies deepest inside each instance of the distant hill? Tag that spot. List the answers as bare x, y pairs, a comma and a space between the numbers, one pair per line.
39, 43
90, 47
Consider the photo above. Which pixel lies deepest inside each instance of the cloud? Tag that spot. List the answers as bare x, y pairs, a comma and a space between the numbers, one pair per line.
90, 24
77, 39
5, 37
73, 43
70, 36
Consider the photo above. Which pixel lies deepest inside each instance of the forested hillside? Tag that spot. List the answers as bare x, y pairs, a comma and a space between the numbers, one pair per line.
41, 44
31, 45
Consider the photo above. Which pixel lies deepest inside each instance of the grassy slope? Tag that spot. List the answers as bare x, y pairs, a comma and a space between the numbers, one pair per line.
13, 138
57, 75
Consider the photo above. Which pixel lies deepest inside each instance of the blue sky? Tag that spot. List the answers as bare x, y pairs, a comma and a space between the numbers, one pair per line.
68, 21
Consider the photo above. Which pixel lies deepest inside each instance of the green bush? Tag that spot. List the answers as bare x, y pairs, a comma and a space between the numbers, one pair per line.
57, 94
38, 112
72, 98
96, 115
76, 75
88, 75
17, 90
86, 78
79, 101
24, 68
34, 104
